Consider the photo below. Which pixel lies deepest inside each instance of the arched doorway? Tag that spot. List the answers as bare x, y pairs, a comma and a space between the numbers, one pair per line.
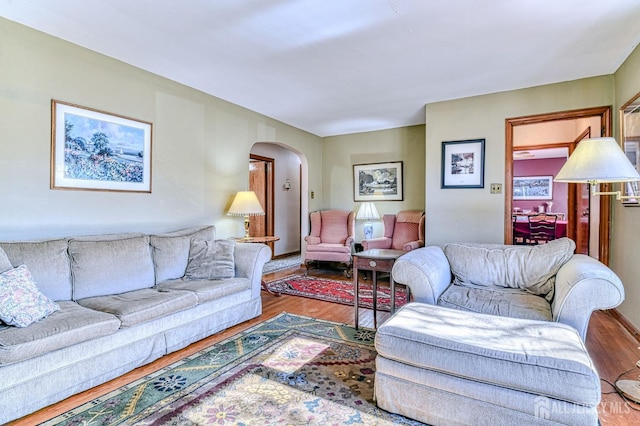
285, 176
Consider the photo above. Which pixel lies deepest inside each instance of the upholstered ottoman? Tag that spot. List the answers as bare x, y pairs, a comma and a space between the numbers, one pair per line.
444, 366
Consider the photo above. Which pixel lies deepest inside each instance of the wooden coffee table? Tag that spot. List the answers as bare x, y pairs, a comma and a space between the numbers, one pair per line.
375, 260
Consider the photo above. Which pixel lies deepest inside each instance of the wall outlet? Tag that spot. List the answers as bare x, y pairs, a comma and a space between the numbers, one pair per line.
496, 188
313, 195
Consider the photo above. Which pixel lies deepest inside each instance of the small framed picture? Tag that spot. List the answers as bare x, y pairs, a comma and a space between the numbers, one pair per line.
378, 182
463, 164
533, 188
98, 151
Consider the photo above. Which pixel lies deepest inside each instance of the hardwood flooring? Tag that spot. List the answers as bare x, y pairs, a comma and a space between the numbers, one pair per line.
613, 349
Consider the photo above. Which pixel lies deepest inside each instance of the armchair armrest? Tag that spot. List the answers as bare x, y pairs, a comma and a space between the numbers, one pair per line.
583, 284
376, 243
310, 239
412, 245
426, 271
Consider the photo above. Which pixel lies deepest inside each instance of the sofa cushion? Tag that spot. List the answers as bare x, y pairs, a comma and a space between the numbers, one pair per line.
138, 306
48, 263
530, 268
210, 260
207, 290
506, 302
21, 303
171, 251
70, 325
110, 264
5, 264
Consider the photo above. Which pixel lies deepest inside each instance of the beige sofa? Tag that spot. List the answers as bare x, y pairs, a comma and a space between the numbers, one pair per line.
122, 301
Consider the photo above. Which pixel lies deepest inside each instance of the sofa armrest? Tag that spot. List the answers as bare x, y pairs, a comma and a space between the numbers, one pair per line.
584, 284
250, 259
426, 271
376, 243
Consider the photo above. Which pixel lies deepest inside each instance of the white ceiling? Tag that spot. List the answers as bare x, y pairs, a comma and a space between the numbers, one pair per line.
344, 66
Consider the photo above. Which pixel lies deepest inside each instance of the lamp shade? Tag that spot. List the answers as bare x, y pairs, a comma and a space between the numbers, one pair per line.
245, 204
367, 211
597, 160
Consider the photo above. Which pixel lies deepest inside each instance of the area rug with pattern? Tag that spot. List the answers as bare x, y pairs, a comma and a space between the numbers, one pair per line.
337, 291
289, 370
282, 263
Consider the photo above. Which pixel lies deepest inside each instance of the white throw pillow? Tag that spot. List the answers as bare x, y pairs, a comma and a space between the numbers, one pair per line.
21, 303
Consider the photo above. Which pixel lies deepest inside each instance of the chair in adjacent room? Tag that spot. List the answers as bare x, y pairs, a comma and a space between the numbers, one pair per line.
331, 238
520, 231
542, 228
404, 231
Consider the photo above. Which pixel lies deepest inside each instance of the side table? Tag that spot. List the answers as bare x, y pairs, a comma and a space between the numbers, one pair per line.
264, 239
375, 260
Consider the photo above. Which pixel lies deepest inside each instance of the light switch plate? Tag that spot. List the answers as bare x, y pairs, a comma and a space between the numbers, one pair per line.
496, 188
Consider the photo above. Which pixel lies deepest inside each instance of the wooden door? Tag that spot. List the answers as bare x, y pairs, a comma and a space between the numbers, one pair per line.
581, 220
261, 182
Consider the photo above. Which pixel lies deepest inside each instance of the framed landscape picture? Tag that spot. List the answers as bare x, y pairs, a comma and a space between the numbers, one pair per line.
95, 150
533, 188
463, 164
378, 182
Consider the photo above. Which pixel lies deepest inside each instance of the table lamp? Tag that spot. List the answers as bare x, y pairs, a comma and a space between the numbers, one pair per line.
245, 204
367, 212
599, 160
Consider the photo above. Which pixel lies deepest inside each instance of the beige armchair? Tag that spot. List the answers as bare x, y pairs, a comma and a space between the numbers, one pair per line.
330, 239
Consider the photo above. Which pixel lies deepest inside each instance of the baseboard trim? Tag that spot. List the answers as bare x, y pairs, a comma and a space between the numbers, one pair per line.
280, 256
625, 323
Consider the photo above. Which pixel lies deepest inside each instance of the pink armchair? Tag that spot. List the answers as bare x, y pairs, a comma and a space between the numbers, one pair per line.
404, 231
331, 238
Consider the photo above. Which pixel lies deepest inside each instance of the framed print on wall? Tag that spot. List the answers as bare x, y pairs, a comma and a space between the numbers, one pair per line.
463, 164
99, 151
630, 132
378, 182
533, 188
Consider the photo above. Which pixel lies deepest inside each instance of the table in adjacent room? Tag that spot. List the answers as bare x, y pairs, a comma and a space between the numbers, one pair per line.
375, 260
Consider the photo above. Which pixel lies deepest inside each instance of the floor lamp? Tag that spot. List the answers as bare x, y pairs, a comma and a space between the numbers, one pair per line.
595, 161
246, 204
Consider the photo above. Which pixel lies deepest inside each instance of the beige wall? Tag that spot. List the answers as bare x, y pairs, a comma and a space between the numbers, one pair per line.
475, 214
200, 150
625, 237
340, 153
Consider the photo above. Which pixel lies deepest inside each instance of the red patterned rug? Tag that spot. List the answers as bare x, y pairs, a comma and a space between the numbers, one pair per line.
337, 291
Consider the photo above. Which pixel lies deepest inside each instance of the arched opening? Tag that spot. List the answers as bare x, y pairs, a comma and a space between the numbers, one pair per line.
287, 206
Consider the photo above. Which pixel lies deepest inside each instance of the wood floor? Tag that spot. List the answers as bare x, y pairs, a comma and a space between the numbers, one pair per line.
613, 349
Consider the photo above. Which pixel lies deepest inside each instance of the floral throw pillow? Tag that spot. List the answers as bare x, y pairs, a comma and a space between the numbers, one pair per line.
21, 303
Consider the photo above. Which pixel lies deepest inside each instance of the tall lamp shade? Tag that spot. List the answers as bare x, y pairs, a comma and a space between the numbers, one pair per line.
598, 160
367, 211
246, 204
